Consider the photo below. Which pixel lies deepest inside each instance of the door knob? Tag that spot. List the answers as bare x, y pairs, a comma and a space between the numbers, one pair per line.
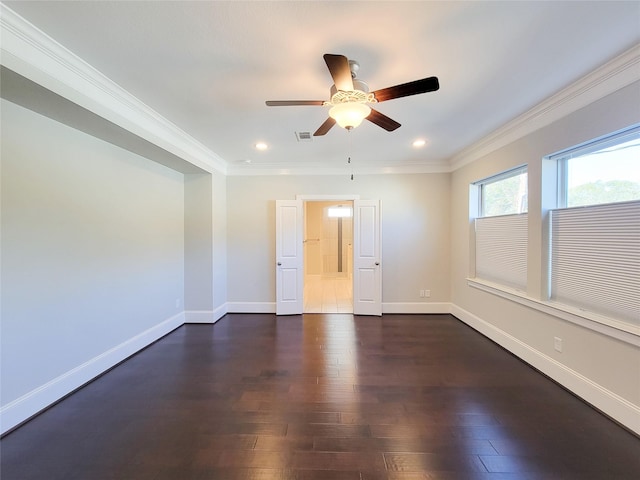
279, 264
377, 263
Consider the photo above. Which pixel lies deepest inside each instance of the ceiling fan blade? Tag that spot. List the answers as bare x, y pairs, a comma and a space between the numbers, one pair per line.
338, 66
382, 121
325, 127
289, 103
425, 85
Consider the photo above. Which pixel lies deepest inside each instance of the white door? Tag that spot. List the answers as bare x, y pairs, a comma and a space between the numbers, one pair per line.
367, 268
289, 257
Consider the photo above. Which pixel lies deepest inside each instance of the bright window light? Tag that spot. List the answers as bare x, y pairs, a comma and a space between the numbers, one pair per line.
504, 194
605, 171
339, 212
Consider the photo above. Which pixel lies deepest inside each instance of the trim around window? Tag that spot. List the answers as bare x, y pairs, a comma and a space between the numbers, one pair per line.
608, 326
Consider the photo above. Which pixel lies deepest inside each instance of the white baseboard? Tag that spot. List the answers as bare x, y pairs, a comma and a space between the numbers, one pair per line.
220, 312
205, 316
23, 408
251, 307
621, 410
416, 307
405, 307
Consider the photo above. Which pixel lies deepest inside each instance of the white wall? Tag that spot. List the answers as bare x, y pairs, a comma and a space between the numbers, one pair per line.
92, 257
602, 369
415, 233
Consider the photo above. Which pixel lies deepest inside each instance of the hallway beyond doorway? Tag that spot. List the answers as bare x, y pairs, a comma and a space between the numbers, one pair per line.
328, 256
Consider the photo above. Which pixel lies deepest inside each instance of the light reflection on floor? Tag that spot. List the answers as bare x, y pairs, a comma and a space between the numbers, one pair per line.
340, 348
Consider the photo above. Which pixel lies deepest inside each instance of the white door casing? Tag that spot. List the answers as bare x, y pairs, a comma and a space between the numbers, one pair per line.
367, 260
289, 257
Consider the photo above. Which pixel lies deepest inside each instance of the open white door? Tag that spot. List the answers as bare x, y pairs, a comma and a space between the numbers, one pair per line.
289, 257
367, 269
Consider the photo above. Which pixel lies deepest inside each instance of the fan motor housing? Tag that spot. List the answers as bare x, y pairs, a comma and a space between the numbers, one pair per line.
357, 85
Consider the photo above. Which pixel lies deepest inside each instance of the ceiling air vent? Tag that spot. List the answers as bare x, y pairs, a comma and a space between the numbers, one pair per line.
304, 136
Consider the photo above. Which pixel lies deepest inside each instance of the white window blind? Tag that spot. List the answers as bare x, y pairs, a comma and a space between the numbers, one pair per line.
595, 259
501, 249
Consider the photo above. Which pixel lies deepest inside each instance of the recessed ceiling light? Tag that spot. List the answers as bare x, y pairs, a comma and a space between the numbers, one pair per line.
419, 143
261, 146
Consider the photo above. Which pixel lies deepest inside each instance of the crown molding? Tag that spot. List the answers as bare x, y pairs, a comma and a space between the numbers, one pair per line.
612, 76
31, 53
242, 169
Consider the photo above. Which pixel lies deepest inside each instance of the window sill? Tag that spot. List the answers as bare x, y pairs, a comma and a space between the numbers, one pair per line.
617, 329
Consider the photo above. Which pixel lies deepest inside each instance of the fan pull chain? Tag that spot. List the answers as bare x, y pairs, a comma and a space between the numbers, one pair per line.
350, 150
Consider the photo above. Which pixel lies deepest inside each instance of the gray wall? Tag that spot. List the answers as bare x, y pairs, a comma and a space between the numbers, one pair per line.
205, 245
219, 241
198, 235
92, 248
415, 231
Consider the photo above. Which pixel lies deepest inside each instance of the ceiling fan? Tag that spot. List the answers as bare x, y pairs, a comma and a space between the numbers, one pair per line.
350, 97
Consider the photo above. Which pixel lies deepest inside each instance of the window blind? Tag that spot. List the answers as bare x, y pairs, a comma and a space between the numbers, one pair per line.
501, 249
595, 259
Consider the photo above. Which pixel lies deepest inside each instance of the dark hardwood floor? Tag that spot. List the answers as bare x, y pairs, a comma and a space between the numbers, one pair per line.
321, 397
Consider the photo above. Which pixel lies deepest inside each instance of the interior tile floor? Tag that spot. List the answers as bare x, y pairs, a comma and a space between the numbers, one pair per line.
328, 294
313, 397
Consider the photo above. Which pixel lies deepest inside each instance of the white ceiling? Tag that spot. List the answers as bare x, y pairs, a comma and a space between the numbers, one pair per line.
208, 67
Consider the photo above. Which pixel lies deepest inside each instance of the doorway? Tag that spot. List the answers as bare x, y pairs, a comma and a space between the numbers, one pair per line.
366, 269
328, 256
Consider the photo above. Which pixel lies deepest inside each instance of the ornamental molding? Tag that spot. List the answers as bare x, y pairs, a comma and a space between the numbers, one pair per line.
618, 73
30, 52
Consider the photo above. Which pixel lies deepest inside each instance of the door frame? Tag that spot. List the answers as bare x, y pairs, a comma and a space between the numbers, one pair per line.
300, 200
354, 199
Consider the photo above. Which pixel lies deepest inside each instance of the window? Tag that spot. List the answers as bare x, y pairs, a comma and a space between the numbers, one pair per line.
590, 235
504, 194
501, 231
595, 239
606, 170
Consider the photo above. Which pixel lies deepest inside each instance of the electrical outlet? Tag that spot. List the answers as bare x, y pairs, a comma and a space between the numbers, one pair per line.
421, 293
557, 344
177, 303
427, 293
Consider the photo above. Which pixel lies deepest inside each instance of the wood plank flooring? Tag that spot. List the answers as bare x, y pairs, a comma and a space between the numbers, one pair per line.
314, 397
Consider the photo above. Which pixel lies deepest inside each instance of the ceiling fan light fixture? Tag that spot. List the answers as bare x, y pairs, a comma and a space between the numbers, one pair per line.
350, 97
349, 114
